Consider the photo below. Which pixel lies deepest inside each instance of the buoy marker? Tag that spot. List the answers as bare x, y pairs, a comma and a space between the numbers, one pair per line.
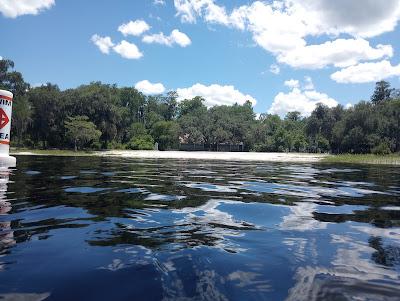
6, 102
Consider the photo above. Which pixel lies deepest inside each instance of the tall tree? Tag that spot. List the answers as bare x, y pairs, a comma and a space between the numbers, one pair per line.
21, 117
12, 80
382, 92
80, 131
47, 125
166, 134
193, 120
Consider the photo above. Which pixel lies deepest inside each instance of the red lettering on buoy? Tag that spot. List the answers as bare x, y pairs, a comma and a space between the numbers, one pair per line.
4, 120
6, 97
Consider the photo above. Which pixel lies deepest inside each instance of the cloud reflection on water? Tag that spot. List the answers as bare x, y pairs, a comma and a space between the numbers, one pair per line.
352, 276
198, 230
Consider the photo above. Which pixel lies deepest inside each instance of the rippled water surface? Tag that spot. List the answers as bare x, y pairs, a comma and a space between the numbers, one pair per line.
121, 229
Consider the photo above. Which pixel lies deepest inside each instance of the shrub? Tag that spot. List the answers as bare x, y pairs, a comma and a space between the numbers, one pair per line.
381, 149
142, 142
116, 145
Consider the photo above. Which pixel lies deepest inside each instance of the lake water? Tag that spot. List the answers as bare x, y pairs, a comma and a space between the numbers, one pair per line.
120, 229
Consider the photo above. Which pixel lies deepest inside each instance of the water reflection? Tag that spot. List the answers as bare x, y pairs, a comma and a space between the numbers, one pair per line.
88, 228
301, 218
351, 276
6, 233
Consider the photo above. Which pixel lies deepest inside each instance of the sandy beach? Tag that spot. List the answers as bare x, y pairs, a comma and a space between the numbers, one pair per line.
228, 156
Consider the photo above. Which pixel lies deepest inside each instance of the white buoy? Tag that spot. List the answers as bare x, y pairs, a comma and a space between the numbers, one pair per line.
6, 101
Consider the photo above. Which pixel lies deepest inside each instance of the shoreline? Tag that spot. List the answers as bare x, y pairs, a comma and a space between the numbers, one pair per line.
221, 156
360, 159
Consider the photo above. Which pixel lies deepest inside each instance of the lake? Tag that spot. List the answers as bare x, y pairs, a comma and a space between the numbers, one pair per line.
93, 228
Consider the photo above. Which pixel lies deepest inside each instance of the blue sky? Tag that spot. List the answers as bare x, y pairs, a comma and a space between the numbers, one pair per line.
222, 50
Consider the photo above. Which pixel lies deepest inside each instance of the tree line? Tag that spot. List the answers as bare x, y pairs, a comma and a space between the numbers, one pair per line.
103, 116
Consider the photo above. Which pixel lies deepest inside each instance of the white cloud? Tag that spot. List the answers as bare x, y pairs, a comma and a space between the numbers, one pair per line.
366, 72
147, 87
176, 37
189, 10
309, 85
15, 8
159, 2
299, 99
125, 49
158, 38
275, 69
103, 43
1, 57
281, 27
180, 38
134, 28
340, 53
363, 18
215, 94
292, 83
128, 50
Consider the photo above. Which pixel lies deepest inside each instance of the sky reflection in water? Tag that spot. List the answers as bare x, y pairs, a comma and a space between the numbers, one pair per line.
112, 229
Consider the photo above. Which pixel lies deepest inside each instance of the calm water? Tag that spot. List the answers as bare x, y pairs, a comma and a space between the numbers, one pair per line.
121, 229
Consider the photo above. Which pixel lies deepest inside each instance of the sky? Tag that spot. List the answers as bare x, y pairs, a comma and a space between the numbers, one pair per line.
283, 55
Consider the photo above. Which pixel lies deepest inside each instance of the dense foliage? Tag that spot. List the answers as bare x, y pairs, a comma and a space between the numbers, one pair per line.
106, 116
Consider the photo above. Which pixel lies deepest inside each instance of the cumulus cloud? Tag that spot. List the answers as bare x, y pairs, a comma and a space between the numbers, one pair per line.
366, 72
281, 27
149, 88
176, 37
299, 99
340, 53
189, 10
103, 43
15, 8
128, 50
125, 49
134, 28
366, 18
215, 94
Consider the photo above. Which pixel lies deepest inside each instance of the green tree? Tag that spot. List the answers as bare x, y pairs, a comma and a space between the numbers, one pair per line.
47, 117
128, 118
101, 103
12, 80
382, 92
193, 120
132, 104
22, 113
166, 134
267, 132
293, 116
141, 142
231, 124
136, 129
81, 131
139, 137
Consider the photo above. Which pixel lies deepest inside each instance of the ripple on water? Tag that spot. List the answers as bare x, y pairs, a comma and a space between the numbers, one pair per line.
89, 228
85, 189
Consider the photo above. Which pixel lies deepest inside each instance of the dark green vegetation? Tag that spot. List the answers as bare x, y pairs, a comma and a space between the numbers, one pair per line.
100, 116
